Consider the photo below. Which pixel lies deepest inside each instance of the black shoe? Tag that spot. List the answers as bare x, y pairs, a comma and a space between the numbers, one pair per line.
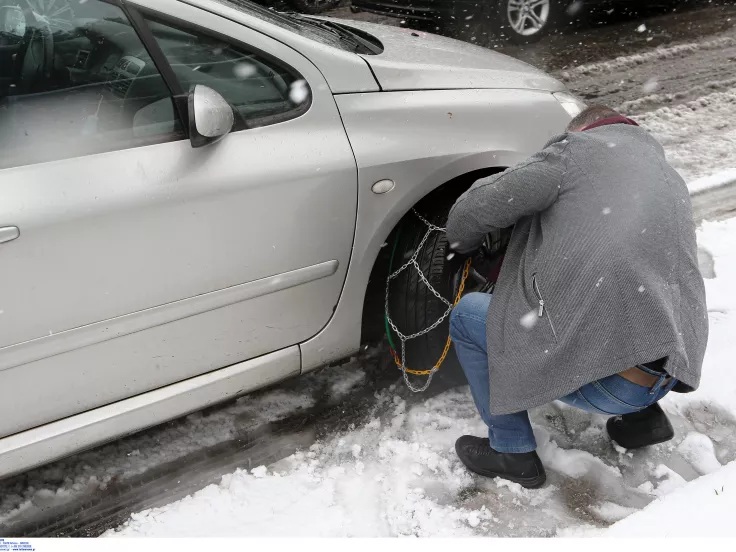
524, 468
641, 429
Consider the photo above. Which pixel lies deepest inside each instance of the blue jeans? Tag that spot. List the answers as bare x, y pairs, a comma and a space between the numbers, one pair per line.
513, 432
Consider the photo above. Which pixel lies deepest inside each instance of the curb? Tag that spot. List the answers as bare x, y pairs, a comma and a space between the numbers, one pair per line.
715, 203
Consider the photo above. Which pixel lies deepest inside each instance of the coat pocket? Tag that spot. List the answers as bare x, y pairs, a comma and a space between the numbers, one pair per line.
543, 308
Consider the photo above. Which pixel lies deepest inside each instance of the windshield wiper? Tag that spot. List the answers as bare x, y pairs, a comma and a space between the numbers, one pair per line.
359, 44
368, 45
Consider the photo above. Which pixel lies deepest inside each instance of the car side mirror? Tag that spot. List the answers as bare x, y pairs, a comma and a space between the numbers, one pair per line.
211, 117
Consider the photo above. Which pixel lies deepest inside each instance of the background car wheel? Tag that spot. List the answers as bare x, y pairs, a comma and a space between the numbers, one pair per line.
313, 6
526, 21
412, 305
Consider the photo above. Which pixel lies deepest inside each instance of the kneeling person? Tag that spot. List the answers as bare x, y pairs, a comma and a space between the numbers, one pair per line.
599, 303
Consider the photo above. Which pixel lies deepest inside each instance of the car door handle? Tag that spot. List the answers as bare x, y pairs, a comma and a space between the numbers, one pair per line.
8, 233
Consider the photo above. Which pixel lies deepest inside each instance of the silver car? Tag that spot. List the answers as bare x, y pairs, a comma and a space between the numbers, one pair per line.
199, 198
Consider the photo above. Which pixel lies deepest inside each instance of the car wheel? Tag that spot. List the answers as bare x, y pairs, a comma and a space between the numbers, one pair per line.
313, 6
412, 305
526, 21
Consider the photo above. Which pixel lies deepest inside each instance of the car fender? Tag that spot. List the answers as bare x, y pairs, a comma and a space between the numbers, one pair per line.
420, 140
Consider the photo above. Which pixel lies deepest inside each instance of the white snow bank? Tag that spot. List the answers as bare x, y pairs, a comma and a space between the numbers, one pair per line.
661, 53
726, 177
704, 507
698, 449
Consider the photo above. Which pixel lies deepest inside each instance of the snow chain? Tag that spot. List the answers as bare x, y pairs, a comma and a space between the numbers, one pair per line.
401, 360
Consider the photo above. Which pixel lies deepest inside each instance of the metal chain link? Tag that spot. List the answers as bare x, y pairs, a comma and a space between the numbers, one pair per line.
412, 262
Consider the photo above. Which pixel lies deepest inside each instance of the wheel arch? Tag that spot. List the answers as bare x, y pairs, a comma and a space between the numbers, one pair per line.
372, 319
342, 336
423, 141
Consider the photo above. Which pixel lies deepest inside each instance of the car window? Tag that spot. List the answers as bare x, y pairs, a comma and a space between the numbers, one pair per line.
75, 81
260, 89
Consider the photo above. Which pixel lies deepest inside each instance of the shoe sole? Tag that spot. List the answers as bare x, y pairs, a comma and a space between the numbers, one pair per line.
667, 435
526, 482
648, 444
531, 483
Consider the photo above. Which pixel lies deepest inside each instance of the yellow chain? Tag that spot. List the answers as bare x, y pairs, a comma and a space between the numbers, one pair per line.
460, 290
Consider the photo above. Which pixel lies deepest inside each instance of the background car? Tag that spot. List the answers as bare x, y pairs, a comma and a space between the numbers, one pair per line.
481, 21
197, 200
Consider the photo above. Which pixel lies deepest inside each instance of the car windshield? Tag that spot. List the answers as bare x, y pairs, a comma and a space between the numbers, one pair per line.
326, 32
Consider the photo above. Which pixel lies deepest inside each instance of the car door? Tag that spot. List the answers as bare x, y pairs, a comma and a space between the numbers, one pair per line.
131, 260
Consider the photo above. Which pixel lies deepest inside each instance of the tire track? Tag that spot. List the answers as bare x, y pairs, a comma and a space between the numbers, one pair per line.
664, 76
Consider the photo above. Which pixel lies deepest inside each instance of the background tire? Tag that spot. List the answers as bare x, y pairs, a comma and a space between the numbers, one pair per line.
488, 23
526, 21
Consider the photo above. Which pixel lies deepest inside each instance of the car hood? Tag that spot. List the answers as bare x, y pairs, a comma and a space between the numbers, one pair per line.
414, 60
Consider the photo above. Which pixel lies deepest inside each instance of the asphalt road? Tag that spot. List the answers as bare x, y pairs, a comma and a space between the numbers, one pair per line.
682, 72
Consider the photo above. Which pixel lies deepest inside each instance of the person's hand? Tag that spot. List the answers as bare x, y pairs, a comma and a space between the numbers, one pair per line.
486, 259
487, 266
456, 261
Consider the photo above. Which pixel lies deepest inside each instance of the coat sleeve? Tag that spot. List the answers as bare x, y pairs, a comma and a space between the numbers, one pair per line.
499, 200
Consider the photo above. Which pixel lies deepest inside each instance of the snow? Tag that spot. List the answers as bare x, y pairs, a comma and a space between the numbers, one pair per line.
298, 91
699, 451
529, 320
397, 474
698, 137
723, 178
612, 512
86, 473
703, 507
658, 54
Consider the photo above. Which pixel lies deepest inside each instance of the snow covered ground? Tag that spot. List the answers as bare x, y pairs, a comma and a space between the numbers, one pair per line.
96, 471
397, 474
699, 136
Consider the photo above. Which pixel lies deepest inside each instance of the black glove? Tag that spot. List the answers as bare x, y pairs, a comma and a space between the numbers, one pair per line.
456, 261
485, 261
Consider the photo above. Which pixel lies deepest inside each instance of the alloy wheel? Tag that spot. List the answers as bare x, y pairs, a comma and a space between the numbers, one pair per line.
528, 17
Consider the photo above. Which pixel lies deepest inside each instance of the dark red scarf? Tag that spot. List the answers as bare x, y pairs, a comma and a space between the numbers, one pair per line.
620, 120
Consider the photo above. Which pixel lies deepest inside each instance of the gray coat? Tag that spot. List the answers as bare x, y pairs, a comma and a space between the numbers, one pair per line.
601, 272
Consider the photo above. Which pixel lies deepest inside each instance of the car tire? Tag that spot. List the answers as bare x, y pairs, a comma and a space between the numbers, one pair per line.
412, 306
527, 21
313, 6
493, 23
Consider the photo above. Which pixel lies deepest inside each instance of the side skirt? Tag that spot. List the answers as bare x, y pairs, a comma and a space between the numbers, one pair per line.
43, 444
